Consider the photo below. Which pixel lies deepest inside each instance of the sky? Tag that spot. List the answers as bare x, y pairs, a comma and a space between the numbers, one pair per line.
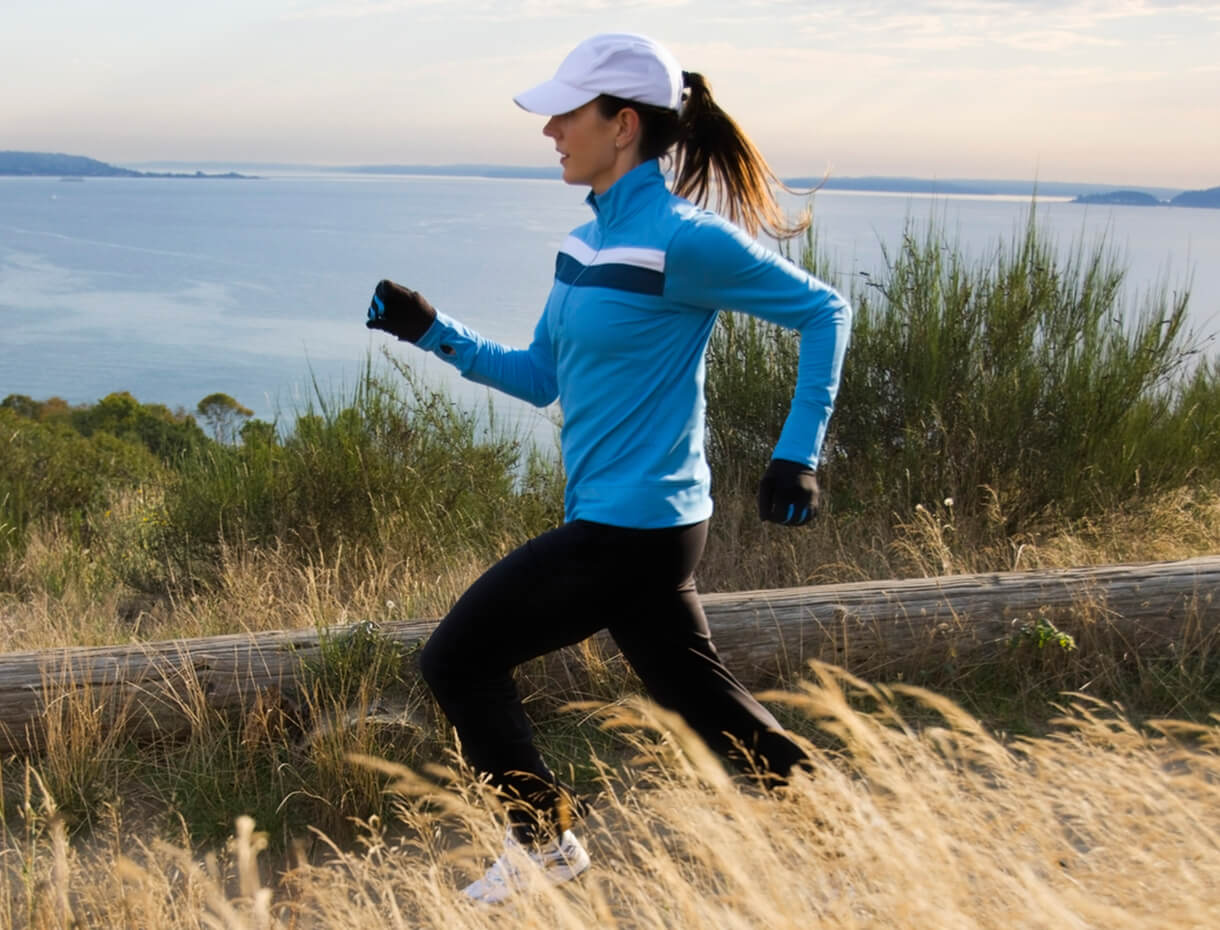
1107, 91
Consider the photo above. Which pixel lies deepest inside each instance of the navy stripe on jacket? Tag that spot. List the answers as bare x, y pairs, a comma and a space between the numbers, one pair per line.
618, 277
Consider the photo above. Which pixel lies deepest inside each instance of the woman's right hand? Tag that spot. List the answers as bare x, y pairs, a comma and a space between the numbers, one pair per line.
400, 311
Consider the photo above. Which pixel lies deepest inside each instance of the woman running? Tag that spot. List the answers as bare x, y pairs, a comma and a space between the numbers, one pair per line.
621, 344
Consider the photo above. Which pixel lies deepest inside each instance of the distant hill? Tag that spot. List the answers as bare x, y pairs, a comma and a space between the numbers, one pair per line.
42, 164
54, 165
1122, 198
1207, 198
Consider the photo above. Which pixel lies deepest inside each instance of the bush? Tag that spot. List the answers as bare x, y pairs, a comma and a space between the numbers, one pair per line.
1024, 379
388, 469
165, 434
49, 471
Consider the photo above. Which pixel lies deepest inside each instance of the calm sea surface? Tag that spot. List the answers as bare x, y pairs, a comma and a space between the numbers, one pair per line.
174, 289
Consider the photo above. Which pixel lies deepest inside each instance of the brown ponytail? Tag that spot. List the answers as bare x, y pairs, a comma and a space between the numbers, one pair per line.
715, 163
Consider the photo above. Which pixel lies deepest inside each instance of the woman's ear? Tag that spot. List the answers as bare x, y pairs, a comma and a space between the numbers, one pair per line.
627, 128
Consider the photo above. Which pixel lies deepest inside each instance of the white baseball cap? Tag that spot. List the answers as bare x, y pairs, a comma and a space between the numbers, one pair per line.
619, 64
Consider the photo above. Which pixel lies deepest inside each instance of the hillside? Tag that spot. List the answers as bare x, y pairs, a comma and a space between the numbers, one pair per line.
56, 165
1122, 198
42, 164
1131, 198
1205, 198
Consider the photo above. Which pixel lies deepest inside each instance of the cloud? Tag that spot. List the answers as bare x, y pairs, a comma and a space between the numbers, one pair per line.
1079, 9
1053, 25
493, 10
1052, 40
353, 9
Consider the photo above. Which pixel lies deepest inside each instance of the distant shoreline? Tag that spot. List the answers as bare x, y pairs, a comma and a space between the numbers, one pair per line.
872, 184
1135, 198
78, 167
38, 164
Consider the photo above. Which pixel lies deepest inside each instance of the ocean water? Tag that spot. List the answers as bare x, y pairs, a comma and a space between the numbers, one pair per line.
175, 288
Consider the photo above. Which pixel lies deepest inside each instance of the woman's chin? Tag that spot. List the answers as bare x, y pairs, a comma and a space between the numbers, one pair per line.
572, 177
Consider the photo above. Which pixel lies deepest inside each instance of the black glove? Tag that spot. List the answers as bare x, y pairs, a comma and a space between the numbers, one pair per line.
399, 311
788, 493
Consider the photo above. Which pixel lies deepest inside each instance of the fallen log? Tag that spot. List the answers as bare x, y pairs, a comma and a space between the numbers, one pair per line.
873, 628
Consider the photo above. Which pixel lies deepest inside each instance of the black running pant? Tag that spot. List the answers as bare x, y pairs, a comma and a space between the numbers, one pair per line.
559, 589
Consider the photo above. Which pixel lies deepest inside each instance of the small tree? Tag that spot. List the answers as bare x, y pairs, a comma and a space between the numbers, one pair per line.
258, 432
22, 405
223, 415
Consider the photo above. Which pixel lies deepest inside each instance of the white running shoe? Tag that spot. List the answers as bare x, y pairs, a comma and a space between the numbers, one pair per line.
520, 866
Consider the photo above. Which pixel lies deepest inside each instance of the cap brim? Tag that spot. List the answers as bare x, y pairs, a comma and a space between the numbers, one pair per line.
551, 98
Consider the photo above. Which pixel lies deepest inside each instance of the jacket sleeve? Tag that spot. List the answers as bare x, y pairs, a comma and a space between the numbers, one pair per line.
525, 373
711, 263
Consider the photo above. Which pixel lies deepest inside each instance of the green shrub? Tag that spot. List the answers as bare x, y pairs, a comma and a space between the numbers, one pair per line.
394, 467
50, 471
1025, 378
166, 434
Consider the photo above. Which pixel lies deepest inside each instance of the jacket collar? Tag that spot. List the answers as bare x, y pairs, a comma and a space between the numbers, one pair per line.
628, 194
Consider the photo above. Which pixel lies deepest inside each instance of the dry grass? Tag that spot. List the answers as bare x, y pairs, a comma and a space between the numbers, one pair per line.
64, 595
910, 821
256, 590
1098, 825
937, 540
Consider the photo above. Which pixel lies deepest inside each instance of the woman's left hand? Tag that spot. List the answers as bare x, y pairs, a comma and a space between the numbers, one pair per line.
788, 493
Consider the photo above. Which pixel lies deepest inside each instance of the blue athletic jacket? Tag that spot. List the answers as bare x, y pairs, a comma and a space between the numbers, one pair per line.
621, 345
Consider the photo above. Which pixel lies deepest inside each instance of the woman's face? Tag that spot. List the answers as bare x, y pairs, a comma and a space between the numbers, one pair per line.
593, 148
